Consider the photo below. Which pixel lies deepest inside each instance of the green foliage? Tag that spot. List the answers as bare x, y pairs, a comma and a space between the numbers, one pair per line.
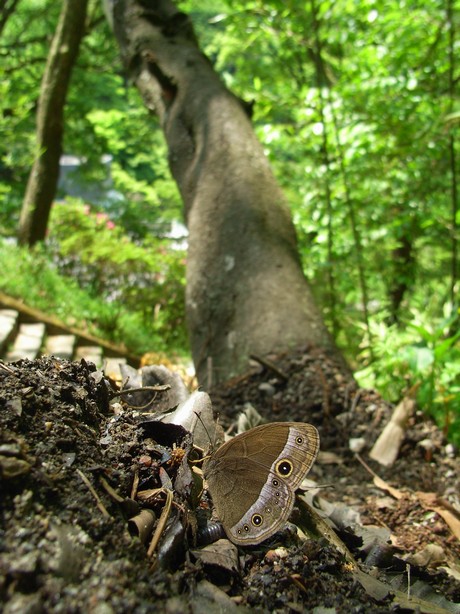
422, 359
354, 104
64, 297
103, 116
146, 279
139, 169
74, 301
23, 48
376, 104
130, 278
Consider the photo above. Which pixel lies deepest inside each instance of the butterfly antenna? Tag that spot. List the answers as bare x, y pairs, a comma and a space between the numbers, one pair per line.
211, 442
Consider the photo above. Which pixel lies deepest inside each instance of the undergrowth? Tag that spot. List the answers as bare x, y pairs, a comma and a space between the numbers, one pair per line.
32, 276
93, 276
419, 358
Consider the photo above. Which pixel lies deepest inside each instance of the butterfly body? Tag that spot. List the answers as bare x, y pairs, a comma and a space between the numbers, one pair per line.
253, 477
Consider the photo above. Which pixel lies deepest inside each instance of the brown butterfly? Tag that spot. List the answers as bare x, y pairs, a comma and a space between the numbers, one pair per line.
253, 477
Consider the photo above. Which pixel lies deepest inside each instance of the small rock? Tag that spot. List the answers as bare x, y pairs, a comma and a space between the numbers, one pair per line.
276, 554
356, 444
10, 449
117, 408
24, 604
221, 553
102, 608
15, 406
267, 389
13, 467
26, 564
426, 444
145, 460
209, 598
69, 458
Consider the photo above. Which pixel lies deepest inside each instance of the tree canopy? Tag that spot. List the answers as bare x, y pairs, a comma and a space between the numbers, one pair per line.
356, 105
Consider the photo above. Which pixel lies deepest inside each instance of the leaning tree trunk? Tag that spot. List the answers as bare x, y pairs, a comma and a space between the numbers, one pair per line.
43, 178
246, 293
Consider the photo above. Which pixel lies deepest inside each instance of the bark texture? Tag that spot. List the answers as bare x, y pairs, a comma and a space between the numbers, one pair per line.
246, 293
43, 178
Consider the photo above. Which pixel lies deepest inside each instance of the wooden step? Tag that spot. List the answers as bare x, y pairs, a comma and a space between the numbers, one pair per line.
27, 333
61, 346
54, 326
91, 353
8, 327
111, 367
28, 342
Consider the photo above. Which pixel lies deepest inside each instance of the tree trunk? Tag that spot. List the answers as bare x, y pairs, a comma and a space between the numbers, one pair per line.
402, 277
246, 293
43, 178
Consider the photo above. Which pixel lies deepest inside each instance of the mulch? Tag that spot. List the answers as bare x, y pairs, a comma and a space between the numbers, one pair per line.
72, 454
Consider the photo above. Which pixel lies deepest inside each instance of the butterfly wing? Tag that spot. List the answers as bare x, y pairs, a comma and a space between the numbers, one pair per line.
253, 477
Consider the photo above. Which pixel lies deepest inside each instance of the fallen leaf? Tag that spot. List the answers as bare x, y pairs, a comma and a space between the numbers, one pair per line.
221, 553
431, 554
431, 501
386, 448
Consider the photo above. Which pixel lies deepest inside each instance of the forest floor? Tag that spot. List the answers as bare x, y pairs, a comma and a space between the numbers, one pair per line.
73, 457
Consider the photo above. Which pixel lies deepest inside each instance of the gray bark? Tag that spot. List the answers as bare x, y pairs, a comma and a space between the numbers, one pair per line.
246, 293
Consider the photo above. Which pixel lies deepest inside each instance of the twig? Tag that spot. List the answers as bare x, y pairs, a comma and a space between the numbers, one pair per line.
7, 368
157, 388
209, 372
268, 364
149, 495
111, 491
161, 523
326, 391
408, 580
347, 393
356, 400
99, 503
379, 482
366, 466
135, 485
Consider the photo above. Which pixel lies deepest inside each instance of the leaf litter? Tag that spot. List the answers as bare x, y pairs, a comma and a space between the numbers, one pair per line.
103, 505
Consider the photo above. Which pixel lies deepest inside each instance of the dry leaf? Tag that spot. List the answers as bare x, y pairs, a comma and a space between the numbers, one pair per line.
431, 501
394, 492
386, 448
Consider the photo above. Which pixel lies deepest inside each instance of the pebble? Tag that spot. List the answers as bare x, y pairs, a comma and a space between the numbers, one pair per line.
276, 554
357, 444
267, 389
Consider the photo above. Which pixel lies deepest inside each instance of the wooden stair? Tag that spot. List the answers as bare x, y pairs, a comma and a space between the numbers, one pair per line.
26, 332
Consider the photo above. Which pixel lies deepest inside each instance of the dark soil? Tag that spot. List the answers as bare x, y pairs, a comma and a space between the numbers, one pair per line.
70, 461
